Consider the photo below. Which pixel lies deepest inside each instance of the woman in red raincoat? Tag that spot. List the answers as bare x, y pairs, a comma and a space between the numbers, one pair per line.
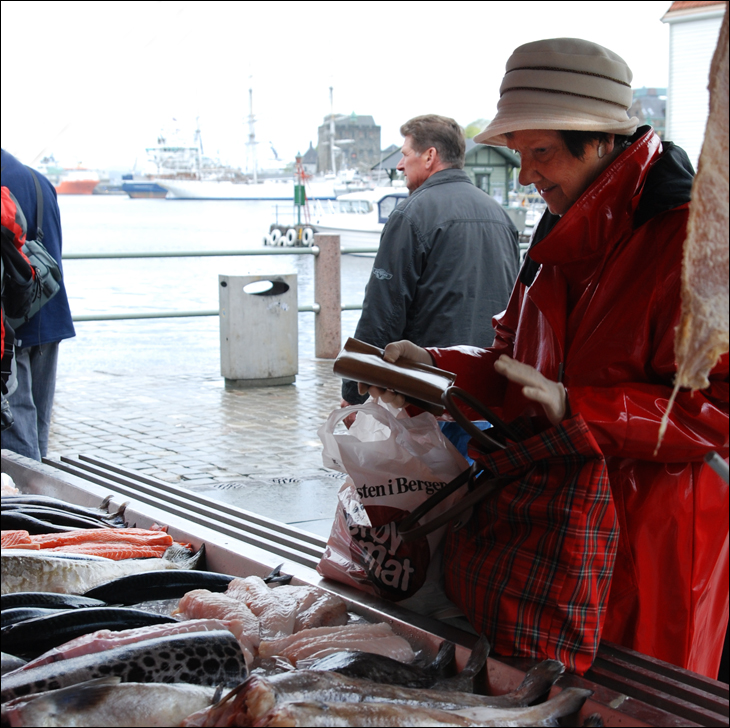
589, 330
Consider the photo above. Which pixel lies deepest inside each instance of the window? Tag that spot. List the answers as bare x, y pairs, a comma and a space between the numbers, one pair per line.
387, 205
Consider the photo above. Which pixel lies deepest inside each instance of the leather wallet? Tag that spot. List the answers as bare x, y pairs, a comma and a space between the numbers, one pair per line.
422, 385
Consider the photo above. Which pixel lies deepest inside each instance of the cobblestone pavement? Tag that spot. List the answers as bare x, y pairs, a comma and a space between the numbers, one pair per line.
254, 448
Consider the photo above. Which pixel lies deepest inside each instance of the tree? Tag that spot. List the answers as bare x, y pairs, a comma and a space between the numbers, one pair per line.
475, 127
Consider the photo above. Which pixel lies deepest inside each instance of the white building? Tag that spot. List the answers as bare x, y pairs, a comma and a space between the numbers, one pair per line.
693, 31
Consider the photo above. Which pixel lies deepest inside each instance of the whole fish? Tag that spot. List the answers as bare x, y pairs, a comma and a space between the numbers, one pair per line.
200, 658
43, 500
21, 614
17, 521
8, 663
249, 703
105, 639
56, 516
108, 702
35, 571
147, 586
566, 703
382, 669
33, 637
50, 600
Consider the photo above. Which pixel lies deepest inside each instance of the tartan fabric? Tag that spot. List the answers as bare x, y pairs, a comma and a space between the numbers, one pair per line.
532, 567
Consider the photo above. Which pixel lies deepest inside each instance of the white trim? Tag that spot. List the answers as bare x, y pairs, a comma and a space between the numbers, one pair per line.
687, 14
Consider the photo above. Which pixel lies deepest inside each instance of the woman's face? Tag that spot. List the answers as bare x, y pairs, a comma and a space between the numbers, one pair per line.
559, 177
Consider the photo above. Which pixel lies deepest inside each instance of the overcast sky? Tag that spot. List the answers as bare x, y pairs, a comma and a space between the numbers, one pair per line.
95, 82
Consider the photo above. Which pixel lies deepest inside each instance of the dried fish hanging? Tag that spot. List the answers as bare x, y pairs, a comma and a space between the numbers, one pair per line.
702, 333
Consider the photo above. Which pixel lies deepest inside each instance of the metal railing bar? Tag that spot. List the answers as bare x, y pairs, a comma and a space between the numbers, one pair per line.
132, 315
304, 308
314, 250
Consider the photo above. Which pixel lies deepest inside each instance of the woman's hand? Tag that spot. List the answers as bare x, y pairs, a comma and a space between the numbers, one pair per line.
551, 395
392, 352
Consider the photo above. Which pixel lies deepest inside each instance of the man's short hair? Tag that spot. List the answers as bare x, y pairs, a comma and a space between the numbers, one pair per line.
440, 132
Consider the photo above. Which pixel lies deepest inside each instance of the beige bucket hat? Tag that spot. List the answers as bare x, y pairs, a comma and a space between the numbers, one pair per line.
562, 83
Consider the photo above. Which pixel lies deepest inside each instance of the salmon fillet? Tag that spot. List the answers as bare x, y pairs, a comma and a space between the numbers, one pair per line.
15, 539
116, 550
136, 536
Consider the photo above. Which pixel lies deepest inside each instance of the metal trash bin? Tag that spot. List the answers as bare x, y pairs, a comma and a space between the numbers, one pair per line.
518, 215
259, 330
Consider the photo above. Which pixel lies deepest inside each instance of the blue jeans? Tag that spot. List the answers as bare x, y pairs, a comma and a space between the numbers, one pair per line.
460, 437
31, 403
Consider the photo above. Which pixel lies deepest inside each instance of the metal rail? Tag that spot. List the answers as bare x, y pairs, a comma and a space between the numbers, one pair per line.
304, 308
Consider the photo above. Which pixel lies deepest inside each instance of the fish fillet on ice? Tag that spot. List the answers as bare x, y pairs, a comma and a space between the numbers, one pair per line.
320, 641
204, 604
287, 609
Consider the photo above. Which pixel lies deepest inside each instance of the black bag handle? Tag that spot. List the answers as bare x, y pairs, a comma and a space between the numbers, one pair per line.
484, 486
464, 477
480, 436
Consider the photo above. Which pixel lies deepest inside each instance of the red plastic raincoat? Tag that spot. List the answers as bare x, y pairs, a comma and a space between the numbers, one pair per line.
603, 308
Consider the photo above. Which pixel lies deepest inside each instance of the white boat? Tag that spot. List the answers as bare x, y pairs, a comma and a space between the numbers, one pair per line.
358, 217
221, 189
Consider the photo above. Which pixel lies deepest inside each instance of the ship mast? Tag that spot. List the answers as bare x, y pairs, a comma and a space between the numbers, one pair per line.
251, 157
332, 132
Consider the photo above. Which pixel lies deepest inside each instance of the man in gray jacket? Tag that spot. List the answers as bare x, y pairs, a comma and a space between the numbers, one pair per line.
448, 255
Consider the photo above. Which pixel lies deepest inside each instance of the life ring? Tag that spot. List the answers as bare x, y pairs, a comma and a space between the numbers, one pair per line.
291, 236
308, 237
275, 236
267, 239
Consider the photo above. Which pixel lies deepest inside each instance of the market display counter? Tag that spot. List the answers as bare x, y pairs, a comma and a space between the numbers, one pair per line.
628, 688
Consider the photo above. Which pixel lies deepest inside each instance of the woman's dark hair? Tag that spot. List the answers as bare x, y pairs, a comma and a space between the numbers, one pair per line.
577, 141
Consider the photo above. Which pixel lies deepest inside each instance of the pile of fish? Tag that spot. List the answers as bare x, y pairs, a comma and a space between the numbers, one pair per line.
42, 514
87, 649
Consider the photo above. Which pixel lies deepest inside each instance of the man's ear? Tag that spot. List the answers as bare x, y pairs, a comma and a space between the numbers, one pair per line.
430, 157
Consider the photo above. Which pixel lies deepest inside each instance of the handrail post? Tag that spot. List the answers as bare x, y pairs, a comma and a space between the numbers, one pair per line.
328, 320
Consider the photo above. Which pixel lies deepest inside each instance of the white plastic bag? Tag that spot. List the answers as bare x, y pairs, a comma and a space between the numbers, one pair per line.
393, 465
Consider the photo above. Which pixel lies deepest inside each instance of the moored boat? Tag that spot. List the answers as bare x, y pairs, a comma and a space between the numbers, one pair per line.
143, 189
77, 182
214, 189
358, 217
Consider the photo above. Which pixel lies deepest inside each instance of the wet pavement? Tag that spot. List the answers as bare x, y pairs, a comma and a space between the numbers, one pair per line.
255, 448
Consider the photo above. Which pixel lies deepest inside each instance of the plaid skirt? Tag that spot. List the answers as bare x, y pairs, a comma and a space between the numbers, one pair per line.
532, 567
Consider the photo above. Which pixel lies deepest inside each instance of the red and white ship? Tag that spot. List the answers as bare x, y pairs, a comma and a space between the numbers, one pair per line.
77, 182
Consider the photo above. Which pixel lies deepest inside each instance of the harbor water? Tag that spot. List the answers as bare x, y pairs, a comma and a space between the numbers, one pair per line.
95, 223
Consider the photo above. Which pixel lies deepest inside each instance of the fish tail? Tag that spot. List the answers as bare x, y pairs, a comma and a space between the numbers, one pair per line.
466, 681
232, 708
445, 661
183, 559
567, 702
276, 577
538, 681
478, 658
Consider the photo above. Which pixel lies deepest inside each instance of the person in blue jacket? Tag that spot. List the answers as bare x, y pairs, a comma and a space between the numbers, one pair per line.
37, 340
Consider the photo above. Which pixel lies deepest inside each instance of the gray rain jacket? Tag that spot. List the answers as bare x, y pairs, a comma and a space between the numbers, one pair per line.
447, 262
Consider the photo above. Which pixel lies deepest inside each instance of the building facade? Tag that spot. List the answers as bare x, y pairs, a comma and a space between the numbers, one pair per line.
693, 31
356, 144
